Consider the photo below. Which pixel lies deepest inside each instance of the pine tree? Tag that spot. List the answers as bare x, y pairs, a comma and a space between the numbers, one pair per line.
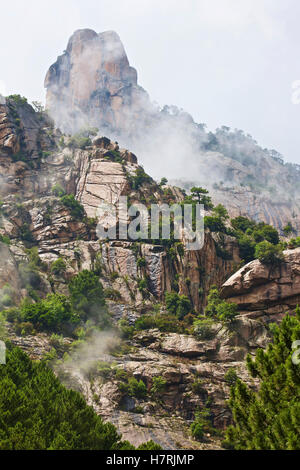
269, 419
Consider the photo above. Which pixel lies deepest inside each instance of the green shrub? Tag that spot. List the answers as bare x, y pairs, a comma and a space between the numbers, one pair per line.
76, 209
214, 223
134, 388
112, 294
104, 369
163, 182
178, 305
25, 233
158, 386
141, 263
12, 314
126, 330
288, 229
34, 259
58, 190
202, 424
142, 285
218, 308
24, 328
163, 322
294, 243
58, 267
231, 376
18, 99
87, 297
197, 430
197, 387
246, 248
203, 328
139, 178
50, 314
137, 388
57, 341
114, 276
266, 232
268, 253
250, 233
242, 223
5, 239
150, 445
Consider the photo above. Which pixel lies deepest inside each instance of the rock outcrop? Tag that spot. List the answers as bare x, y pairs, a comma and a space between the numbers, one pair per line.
262, 290
93, 84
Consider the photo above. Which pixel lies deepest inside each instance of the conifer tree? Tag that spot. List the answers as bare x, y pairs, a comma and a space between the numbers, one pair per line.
269, 419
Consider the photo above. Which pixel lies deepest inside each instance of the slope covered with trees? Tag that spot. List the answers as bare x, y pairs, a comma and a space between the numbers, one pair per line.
37, 412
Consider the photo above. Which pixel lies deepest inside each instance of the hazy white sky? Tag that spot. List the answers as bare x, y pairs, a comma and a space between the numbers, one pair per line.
227, 62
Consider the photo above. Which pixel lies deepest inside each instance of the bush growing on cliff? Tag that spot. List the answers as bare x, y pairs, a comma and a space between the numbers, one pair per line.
249, 234
139, 178
58, 190
158, 386
218, 308
4, 239
51, 313
202, 424
18, 99
58, 267
288, 229
76, 209
133, 388
88, 298
161, 321
268, 253
25, 233
231, 376
82, 139
294, 243
269, 419
178, 305
242, 224
203, 328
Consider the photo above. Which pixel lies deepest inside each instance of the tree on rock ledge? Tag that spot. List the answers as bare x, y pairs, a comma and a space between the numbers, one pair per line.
270, 418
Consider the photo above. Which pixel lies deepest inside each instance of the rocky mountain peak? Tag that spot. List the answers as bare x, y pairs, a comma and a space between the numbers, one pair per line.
92, 83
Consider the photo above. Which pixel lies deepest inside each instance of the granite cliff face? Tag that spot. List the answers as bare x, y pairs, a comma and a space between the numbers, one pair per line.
92, 84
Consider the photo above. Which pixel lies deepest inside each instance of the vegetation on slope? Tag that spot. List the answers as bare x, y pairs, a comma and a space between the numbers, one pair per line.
269, 418
38, 413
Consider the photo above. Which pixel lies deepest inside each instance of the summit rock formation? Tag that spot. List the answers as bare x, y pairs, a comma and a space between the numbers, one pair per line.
92, 84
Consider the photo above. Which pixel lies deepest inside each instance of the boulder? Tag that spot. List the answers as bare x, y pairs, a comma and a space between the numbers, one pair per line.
266, 289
